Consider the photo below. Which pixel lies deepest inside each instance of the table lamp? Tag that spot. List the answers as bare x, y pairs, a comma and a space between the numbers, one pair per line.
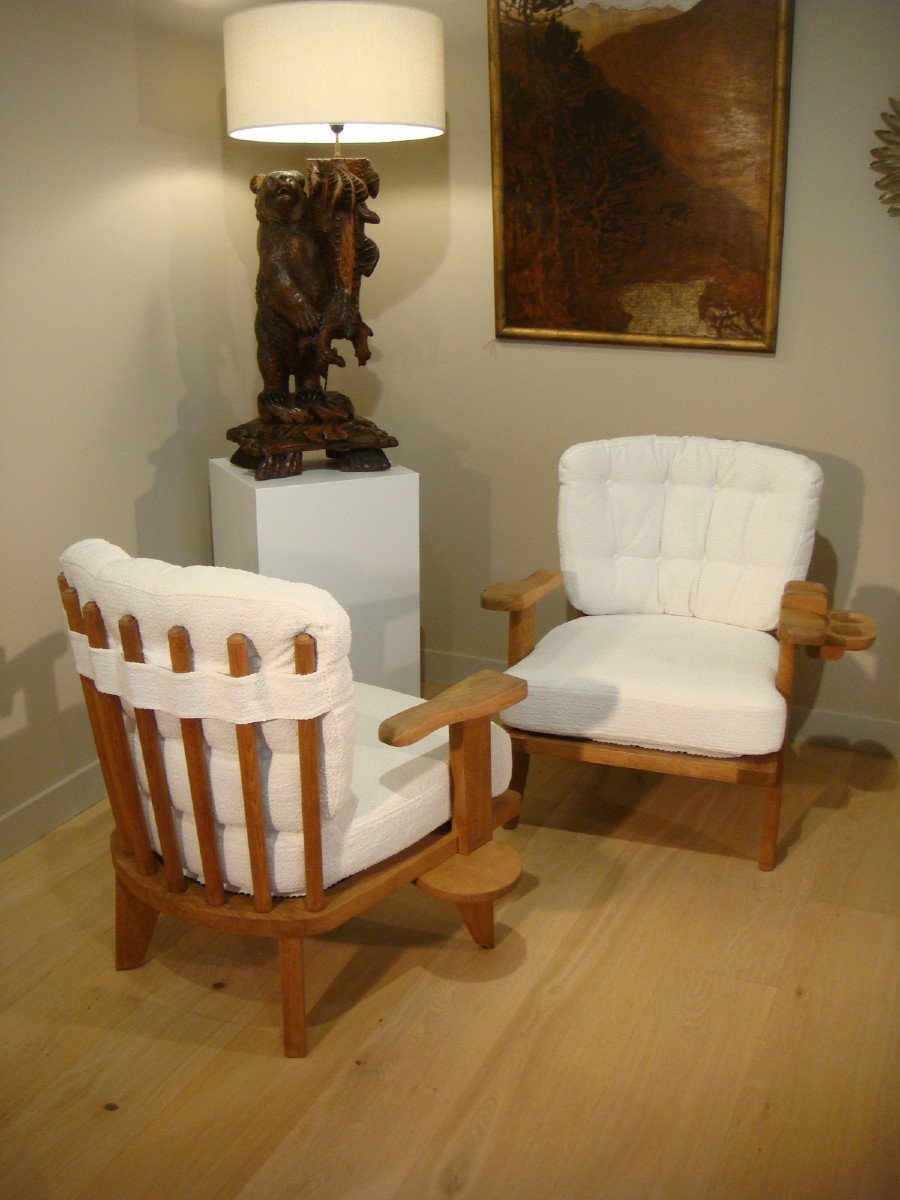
313, 71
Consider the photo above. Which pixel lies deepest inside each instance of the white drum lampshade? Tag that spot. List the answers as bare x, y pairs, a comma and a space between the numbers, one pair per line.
295, 71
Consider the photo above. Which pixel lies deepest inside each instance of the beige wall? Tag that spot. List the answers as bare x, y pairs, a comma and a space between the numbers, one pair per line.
126, 302
128, 348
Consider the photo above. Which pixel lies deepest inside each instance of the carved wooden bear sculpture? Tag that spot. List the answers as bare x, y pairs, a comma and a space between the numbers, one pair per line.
294, 284
313, 252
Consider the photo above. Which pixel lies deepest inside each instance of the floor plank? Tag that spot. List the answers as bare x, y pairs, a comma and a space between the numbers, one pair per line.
658, 1018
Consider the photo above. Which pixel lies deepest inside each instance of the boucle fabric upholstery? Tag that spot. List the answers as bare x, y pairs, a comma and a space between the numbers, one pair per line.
685, 525
663, 682
376, 800
678, 550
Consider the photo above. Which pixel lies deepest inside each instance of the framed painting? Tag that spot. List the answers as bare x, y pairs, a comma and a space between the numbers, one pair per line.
638, 159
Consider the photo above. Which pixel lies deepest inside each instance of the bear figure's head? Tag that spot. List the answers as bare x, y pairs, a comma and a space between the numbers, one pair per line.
280, 196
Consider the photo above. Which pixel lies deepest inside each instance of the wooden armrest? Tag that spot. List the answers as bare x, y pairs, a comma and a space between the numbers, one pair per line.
521, 593
805, 620
481, 695
850, 630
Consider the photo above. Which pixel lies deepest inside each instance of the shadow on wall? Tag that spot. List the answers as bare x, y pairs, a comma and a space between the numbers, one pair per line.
172, 518
875, 690
874, 674
414, 231
880, 690
465, 527
179, 76
50, 743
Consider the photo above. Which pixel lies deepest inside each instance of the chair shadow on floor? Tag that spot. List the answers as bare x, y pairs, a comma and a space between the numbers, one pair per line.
683, 813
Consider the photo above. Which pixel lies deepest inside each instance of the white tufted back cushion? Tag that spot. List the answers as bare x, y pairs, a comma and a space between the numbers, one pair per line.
212, 603
687, 526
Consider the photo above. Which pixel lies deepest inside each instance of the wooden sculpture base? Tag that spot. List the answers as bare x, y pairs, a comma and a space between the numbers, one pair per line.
272, 445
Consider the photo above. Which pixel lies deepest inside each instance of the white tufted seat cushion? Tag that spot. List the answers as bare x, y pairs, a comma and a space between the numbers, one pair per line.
376, 799
678, 550
668, 683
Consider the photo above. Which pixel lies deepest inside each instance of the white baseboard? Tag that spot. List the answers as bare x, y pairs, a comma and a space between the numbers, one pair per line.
441, 666
42, 813
853, 731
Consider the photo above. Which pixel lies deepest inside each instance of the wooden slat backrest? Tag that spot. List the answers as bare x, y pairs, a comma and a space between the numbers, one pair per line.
114, 745
151, 750
310, 800
75, 621
111, 738
239, 663
198, 775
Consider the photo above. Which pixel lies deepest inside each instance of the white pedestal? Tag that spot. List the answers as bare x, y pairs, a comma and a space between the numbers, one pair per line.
355, 535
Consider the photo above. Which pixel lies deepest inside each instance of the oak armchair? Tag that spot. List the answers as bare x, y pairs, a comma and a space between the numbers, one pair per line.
255, 787
683, 561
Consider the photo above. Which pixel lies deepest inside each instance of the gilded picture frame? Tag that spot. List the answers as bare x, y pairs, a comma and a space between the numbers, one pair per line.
638, 161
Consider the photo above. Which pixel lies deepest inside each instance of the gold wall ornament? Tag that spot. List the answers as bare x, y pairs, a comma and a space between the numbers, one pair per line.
886, 159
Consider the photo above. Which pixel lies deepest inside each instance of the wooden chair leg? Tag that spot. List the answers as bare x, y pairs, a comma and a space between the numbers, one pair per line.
135, 922
479, 919
293, 998
520, 764
473, 882
771, 815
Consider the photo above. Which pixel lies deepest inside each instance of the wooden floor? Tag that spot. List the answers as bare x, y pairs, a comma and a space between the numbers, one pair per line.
658, 1021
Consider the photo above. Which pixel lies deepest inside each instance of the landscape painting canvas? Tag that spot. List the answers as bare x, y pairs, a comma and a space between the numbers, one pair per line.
638, 167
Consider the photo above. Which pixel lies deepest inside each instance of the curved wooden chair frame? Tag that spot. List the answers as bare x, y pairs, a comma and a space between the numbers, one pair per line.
804, 621
459, 862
